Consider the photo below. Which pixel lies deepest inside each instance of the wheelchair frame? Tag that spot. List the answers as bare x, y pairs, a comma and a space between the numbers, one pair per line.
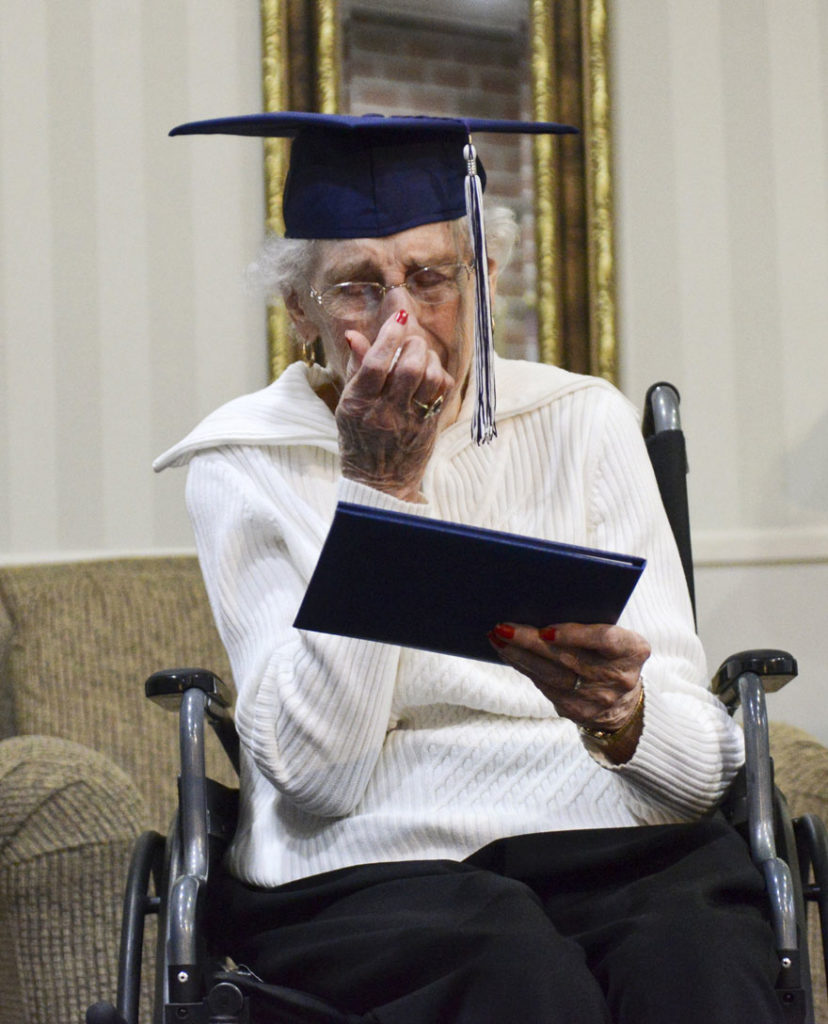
787, 851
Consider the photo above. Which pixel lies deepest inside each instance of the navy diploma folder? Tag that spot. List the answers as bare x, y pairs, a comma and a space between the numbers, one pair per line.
439, 586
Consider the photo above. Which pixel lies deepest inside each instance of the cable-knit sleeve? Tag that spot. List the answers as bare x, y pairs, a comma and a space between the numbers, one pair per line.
690, 748
312, 709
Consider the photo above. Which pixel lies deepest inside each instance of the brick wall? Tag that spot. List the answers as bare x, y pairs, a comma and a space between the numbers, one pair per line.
395, 65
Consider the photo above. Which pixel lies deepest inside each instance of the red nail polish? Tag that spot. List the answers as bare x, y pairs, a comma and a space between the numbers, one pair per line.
402, 316
504, 631
500, 644
547, 634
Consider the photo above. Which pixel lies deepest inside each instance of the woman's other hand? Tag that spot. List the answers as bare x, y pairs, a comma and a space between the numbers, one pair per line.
591, 673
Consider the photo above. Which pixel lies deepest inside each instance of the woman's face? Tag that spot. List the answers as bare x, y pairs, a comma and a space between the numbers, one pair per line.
448, 328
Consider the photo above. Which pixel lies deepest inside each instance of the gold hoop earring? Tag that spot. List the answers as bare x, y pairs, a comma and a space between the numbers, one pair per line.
309, 351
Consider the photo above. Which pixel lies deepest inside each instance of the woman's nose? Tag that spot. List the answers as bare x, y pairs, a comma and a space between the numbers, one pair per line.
395, 299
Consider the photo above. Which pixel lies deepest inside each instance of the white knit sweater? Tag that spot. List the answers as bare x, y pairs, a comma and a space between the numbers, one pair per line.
357, 752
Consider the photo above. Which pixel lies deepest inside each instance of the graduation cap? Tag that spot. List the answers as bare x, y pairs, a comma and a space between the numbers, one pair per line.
373, 176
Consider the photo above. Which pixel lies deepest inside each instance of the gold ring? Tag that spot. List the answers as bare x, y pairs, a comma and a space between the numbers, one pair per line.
429, 408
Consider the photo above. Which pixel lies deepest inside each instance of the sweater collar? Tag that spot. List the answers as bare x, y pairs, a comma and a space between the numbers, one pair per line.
522, 387
289, 412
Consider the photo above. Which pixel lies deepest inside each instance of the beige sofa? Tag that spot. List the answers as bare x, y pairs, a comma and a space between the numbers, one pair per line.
87, 763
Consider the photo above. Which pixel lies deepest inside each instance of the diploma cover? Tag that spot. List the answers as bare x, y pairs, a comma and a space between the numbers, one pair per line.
439, 586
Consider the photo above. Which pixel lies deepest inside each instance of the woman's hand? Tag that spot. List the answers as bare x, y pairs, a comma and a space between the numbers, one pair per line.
592, 674
387, 417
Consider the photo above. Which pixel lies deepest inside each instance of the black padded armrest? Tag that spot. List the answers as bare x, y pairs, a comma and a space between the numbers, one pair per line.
775, 668
166, 687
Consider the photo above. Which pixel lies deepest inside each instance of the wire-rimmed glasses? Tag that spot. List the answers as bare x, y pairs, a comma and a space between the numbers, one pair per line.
360, 300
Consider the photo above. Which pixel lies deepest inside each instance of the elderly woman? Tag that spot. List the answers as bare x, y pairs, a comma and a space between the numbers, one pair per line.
425, 838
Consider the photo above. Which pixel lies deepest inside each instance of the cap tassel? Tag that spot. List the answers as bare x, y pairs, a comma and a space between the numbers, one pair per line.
483, 428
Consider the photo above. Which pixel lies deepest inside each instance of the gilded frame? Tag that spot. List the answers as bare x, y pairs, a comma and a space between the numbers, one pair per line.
545, 16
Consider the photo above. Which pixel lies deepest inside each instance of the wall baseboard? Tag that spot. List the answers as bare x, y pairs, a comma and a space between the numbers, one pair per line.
761, 547
57, 557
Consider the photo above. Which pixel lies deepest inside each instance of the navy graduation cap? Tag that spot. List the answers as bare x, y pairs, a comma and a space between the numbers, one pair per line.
373, 176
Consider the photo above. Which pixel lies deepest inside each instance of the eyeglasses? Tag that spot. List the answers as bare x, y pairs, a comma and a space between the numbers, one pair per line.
360, 300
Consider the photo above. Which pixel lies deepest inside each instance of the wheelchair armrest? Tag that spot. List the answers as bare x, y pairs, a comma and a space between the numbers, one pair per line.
774, 668
168, 687
744, 679
206, 813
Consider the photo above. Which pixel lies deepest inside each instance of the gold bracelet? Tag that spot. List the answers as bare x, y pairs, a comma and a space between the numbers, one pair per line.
606, 737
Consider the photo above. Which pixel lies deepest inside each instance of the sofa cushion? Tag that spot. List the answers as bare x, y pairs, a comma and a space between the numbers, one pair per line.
84, 638
68, 818
801, 769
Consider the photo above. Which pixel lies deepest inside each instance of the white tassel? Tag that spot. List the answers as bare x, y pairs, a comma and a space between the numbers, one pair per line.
483, 428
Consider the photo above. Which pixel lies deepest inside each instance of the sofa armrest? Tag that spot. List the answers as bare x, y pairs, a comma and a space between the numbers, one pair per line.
68, 819
801, 766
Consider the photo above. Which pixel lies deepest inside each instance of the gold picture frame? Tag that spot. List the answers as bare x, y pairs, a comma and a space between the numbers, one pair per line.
573, 205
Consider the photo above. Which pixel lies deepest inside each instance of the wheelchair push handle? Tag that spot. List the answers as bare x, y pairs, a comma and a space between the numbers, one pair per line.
661, 409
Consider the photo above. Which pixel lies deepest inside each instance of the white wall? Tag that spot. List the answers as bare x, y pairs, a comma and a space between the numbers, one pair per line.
722, 197
121, 251
123, 318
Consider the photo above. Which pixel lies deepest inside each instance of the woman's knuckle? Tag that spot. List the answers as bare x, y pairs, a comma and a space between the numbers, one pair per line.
606, 698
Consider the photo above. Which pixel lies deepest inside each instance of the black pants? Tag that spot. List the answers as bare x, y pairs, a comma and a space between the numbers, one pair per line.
662, 925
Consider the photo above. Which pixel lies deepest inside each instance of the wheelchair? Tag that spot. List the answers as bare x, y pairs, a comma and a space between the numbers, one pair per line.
168, 877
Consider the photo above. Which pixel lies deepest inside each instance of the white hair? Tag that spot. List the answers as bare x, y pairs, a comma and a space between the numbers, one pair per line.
284, 265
